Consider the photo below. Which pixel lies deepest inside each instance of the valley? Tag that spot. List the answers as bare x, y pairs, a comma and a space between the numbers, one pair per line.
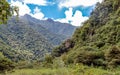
29, 46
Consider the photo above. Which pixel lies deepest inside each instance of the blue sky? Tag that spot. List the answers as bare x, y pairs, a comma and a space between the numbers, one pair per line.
66, 11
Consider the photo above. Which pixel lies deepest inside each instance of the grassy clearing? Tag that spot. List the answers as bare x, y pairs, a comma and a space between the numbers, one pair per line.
71, 70
44, 71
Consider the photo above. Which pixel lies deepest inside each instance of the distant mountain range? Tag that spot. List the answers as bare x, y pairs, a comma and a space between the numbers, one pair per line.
54, 27
30, 38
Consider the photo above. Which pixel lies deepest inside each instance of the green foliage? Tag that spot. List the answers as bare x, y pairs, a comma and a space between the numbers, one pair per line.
48, 58
95, 37
5, 64
57, 51
48, 61
113, 57
55, 32
77, 69
27, 40
5, 12
19, 41
116, 4
68, 59
88, 57
58, 63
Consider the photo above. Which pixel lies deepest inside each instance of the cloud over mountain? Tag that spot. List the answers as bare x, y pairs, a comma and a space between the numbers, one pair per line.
67, 11
74, 3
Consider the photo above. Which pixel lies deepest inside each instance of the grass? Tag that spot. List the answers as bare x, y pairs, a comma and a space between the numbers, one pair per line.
71, 70
42, 71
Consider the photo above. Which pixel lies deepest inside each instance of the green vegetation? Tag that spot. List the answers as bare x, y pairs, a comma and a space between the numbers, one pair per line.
77, 69
54, 31
5, 64
97, 42
5, 12
58, 67
21, 42
27, 40
63, 48
94, 49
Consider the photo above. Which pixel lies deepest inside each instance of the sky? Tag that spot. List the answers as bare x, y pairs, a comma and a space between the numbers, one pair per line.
74, 12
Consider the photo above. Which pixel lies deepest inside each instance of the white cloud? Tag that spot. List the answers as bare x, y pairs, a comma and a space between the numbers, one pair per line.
75, 19
75, 3
23, 8
36, 10
62, 20
37, 2
78, 19
37, 13
69, 14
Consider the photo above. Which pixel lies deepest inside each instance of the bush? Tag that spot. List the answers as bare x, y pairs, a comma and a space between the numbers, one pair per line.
58, 63
5, 64
113, 57
24, 64
89, 58
64, 47
48, 61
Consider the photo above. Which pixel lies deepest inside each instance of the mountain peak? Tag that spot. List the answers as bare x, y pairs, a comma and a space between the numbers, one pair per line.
50, 20
27, 15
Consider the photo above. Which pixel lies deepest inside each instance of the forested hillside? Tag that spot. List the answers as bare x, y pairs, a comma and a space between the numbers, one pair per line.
20, 42
62, 30
26, 44
97, 42
26, 39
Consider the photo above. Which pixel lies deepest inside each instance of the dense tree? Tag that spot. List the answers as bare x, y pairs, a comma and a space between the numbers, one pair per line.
113, 57
98, 34
57, 51
5, 64
6, 11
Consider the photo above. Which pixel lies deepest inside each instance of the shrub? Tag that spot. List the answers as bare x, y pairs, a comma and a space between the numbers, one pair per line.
48, 61
64, 47
58, 63
113, 57
89, 56
5, 64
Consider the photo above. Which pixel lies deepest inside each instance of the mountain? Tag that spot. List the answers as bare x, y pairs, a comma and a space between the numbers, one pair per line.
58, 28
61, 29
23, 41
55, 39
97, 42
26, 39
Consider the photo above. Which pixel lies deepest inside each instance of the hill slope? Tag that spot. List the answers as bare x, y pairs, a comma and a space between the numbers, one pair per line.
23, 41
60, 29
35, 24
64, 29
97, 42
26, 39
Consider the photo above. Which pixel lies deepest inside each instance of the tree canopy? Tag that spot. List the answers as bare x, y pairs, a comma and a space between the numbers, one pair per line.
5, 64
7, 11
